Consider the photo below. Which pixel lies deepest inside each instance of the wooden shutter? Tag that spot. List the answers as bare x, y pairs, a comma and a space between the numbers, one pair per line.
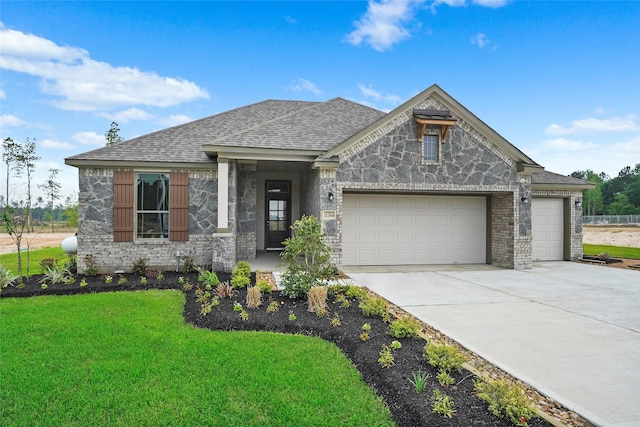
179, 207
123, 206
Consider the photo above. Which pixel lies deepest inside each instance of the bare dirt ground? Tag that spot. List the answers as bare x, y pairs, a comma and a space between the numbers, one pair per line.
614, 236
33, 240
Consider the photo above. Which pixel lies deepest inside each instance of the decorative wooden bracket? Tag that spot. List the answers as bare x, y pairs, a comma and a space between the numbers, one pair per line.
442, 118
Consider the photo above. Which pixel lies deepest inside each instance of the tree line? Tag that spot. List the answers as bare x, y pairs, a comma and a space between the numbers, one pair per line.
611, 196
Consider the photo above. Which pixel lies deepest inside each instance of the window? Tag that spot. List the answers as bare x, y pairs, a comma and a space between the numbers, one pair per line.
430, 148
152, 206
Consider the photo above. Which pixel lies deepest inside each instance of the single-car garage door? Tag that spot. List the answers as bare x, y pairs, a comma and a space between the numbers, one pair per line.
409, 229
547, 229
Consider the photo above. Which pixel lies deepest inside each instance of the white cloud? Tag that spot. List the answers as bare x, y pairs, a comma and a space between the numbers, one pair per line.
628, 123
370, 92
565, 156
3, 94
89, 138
50, 143
84, 84
11, 120
304, 84
480, 39
602, 111
383, 25
491, 3
290, 20
174, 120
459, 3
126, 115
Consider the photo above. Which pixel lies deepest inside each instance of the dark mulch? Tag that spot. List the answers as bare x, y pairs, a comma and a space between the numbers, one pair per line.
407, 407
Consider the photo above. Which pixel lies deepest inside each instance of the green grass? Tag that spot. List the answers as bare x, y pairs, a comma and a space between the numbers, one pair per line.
614, 251
128, 358
33, 260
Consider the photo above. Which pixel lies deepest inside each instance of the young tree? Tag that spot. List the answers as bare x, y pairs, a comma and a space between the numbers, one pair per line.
112, 135
51, 188
14, 223
9, 154
26, 160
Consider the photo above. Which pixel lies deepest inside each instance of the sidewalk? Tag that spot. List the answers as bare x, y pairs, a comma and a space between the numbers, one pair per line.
570, 330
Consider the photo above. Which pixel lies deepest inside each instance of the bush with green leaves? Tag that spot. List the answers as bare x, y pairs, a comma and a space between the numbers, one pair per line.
7, 277
442, 404
208, 277
90, 265
140, 267
404, 327
264, 286
46, 263
374, 307
55, 274
506, 399
189, 264
444, 357
307, 257
241, 275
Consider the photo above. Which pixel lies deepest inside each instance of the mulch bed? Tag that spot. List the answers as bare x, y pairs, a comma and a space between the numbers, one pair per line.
408, 408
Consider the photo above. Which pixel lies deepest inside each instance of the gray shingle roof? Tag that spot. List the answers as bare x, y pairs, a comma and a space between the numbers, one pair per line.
546, 177
296, 125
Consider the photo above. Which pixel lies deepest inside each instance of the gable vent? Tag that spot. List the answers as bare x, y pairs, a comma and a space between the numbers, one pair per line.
442, 118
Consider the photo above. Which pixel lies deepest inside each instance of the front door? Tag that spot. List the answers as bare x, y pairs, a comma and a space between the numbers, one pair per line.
278, 198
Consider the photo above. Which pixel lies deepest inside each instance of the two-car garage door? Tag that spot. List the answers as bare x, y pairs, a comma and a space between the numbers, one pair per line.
384, 229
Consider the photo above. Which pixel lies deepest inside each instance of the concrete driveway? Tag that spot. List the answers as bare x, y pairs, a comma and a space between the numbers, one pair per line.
570, 330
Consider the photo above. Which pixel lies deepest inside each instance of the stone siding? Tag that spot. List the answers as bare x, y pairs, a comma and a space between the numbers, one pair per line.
246, 241
95, 225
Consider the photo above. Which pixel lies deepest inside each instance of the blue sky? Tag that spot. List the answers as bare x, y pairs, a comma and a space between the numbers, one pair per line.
558, 79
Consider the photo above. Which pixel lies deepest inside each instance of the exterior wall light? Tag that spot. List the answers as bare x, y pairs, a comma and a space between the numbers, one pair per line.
578, 203
524, 200
330, 196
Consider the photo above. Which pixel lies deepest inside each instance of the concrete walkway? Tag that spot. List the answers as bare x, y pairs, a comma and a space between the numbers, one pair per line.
570, 330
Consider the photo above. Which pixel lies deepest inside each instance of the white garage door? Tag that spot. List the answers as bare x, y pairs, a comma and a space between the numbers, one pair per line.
547, 221
409, 229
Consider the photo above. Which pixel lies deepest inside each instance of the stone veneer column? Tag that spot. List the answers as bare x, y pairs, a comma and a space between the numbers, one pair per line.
247, 197
224, 240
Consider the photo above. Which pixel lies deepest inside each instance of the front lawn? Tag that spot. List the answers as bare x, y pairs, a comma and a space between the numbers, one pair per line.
128, 358
613, 251
32, 259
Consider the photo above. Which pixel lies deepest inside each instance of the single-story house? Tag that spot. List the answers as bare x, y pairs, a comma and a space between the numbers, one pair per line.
427, 183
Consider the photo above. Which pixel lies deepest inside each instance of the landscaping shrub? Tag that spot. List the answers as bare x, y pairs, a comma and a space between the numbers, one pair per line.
241, 275
46, 263
140, 266
254, 297
208, 277
444, 357
265, 287
7, 277
374, 306
317, 299
405, 327
307, 257
91, 266
506, 399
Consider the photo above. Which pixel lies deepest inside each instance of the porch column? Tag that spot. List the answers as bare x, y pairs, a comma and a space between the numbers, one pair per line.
223, 195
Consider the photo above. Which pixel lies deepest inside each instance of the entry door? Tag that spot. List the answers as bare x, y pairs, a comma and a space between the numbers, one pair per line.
278, 198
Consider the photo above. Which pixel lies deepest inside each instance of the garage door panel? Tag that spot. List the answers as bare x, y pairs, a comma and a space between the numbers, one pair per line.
547, 229
410, 229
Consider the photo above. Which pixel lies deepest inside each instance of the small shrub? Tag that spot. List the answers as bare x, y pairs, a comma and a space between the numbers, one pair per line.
244, 315
152, 274
444, 357
354, 292
322, 312
237, 306
364, 336
386, 357
55, 274
206, 309
108, 279
506, 399
187, 286
265, 287
445, 379
7, 277
374, 306
343, 301
442, 404
189, 264
122, 280
224, 290
239, 282
208, 277
70, 280
72, 264
396, 345
242, 269
140, 267
419, 380
317, 299
405, 327
366, 327
48, 263
159, 275
604, 256
91, 266
83, 282
44, 286
143, 280
254, 297
292, 316
273, 307
336, 320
